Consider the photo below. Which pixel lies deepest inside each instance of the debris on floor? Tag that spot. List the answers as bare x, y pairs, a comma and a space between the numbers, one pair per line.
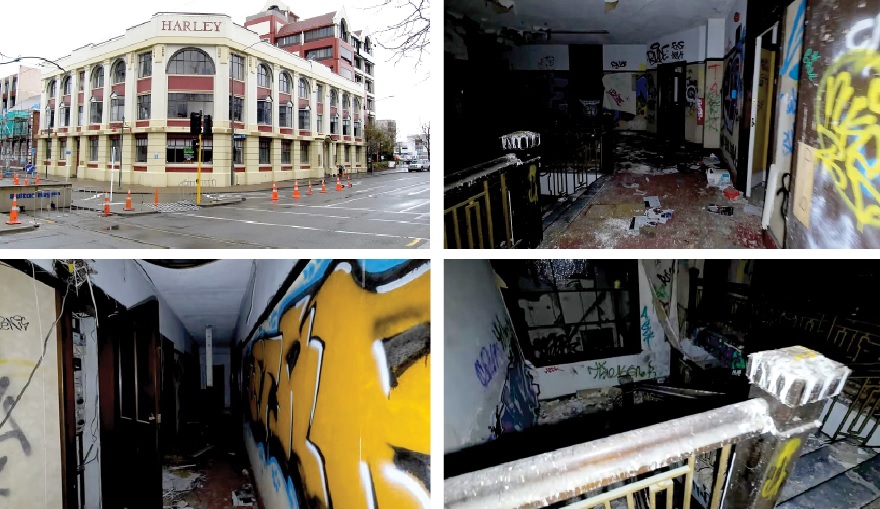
652, 202
753, 210
178, 481
243, 497
724, 211
731, 193
718, 178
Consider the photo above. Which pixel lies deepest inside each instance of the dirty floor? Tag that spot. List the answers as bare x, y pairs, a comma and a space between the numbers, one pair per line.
677, 177
207, 485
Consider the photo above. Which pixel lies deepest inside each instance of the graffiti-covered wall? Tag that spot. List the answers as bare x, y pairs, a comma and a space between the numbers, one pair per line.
836, 197
336, 387
714, 82
494, 386
695, 109
732, 99
30, 422
786, 111
633, 99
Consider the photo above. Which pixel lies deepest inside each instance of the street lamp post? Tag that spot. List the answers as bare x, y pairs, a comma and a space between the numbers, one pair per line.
113, 96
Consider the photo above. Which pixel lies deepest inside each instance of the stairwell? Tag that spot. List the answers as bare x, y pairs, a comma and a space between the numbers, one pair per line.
833, 475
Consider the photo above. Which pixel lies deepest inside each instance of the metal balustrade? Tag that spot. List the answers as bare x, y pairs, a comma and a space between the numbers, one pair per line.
758, 441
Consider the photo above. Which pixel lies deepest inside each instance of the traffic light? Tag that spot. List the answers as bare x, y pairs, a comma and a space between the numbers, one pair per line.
195, 123
196, 146
208, 126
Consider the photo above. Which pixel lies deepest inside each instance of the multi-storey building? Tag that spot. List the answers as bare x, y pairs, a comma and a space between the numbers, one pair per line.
22, 84
276, 116
327, 39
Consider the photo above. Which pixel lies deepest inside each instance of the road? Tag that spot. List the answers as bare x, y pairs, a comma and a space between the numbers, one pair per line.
382, 212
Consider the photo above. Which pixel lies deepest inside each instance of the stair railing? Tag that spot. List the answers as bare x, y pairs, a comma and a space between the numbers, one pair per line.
760, 439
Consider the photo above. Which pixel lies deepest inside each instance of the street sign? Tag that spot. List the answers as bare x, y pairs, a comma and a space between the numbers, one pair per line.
29, 168
68, 152
239, 136
33, 150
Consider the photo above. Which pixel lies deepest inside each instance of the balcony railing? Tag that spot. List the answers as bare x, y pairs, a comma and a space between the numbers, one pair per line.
764, 434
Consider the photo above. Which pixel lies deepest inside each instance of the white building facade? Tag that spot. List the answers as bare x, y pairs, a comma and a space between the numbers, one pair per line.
131, 97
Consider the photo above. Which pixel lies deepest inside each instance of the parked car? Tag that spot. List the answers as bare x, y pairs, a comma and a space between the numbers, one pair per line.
419, 165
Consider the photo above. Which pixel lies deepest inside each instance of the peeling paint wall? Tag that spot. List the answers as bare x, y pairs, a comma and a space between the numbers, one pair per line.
335, 383
484, 366
835, 199
30, 437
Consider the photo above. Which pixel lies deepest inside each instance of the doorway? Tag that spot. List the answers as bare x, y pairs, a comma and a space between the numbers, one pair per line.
672, 95
762, 108
128, 377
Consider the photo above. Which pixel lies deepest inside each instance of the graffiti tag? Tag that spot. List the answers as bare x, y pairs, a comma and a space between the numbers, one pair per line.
810, 58
647, 332
791, 61
658, 54
601, 371
551, 369
779, 469
547, 62
847, 107
15, 433
618, 64
615, 96
869, 30
16, 323
486, 366
678, 50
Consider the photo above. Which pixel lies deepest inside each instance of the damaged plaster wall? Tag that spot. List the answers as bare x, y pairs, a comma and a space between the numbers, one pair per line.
30, 434
732, 89
335, 383
92, 416
484, 365
695, 111
835, 199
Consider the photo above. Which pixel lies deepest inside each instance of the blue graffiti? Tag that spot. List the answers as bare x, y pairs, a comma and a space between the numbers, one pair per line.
642, 87
788, 142
518, 408
792, 61
732, 84
866, 167
487, 364
280, 482
791, 103
647, 332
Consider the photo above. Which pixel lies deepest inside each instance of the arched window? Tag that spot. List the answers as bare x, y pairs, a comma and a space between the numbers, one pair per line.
191, 61
345, 101
65, 85
264, 76
51, 88
284, 83
303, 88
367, 45
357, 104
117, 73
98, 77
334, 97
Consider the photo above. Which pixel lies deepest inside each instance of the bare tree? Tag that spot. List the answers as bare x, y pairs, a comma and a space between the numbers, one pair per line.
426, 137
410, 35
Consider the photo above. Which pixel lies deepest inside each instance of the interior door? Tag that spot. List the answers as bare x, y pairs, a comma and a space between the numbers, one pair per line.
134, 340
673, 101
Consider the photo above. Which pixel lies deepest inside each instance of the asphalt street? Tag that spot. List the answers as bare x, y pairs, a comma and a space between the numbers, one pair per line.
383, 212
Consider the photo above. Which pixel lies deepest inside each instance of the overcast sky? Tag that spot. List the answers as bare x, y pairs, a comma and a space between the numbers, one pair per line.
52, 29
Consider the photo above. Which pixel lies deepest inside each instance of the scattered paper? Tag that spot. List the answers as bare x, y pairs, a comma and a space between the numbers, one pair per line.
652, 202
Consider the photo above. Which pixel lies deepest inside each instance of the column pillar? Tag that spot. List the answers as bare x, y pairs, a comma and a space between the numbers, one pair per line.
796, 382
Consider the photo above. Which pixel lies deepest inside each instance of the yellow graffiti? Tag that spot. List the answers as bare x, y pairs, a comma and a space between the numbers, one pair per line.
779, 469
806, 353
848, 130
333, 408
533, 184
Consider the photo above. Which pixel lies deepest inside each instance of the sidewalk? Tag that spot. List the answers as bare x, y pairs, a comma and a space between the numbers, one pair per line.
136, 189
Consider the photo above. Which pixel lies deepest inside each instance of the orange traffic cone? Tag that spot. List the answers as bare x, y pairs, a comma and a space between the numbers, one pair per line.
296, 189
323, 187
310, 187
349, 180
274, 192
13, 212
128, 207
106, 205
156, 198
38, 179
338, 184
15, 179
26, 180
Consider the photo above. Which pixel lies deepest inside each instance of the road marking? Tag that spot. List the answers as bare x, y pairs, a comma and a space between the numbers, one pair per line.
427, 202
353, 209
387, 192
413, 243
298, 227
296, 213
400, 221
419, 192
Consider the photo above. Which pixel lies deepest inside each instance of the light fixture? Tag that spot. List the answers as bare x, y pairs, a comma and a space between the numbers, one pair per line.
289, 103
268, 98
113, 95
94, 99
